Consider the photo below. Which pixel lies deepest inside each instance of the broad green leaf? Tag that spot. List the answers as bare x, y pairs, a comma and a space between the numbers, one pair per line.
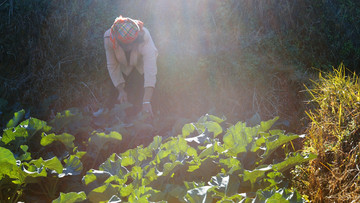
192, 185
27, 155
103, 193
238, 137
207, 152
254, 175
114, 167
6, 156
266, 125
73, 166
54, 164
200, 139
215, 119
18, 134
231, 163
100, 139
18, 116
168, 167
199, 194
95, 175
114, 199
220, 181
213, 127
293, 160
34, 125
66, 139
275, 196
275, 141
126, 190
9, 166
155, 144
257, 144
188, 129
71, 197
141, 194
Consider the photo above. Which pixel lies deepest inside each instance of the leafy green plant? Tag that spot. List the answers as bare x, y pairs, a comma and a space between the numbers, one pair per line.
207, 162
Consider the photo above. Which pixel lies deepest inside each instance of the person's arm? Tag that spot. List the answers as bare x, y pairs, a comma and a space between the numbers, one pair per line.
148, 92
149, 53
114, 69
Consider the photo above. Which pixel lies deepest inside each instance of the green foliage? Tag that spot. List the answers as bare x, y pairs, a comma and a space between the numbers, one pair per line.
210, 160
204, 164
70, 197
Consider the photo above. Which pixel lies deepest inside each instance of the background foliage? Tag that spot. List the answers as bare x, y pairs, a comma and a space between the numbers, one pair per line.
52, 55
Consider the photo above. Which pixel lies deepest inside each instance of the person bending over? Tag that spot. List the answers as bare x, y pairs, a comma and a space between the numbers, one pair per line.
131, 53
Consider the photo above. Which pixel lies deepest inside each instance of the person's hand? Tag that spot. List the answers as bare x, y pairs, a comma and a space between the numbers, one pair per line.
122, 96
146, 108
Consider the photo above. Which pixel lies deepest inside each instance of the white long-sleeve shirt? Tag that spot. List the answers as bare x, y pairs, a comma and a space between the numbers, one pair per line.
143, 58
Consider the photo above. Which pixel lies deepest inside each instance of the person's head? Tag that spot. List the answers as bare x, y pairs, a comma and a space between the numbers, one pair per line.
126, 32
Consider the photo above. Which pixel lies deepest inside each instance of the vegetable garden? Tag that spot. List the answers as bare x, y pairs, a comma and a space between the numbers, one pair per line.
209, 160
240, 113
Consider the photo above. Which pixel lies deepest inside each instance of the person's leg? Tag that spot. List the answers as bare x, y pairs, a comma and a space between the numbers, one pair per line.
135, 90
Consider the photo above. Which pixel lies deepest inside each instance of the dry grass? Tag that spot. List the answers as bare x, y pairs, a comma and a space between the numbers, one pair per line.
334, 136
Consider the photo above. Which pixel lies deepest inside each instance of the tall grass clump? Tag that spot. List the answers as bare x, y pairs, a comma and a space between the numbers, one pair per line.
333, 134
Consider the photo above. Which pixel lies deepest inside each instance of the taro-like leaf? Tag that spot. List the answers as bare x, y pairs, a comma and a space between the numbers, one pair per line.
238, 137
155, 144
207, 152
52, 164
34, 125
73, 166
18, 116
275, 141
169, 192
220, 181
141, 194
169, 167
266, 125
257, 144
225, 185
293, 160
114, 167
114, 199
200, 139
71, 121
95, 175
100, 139
17, 134
213, 127
281, 195
65, 138
209, 126
71, 197
188, 129
215, 119
127, 190
231, 163
32, 171
103, 193
254, 175
7, 163
27, 155
199, 194
192, 185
